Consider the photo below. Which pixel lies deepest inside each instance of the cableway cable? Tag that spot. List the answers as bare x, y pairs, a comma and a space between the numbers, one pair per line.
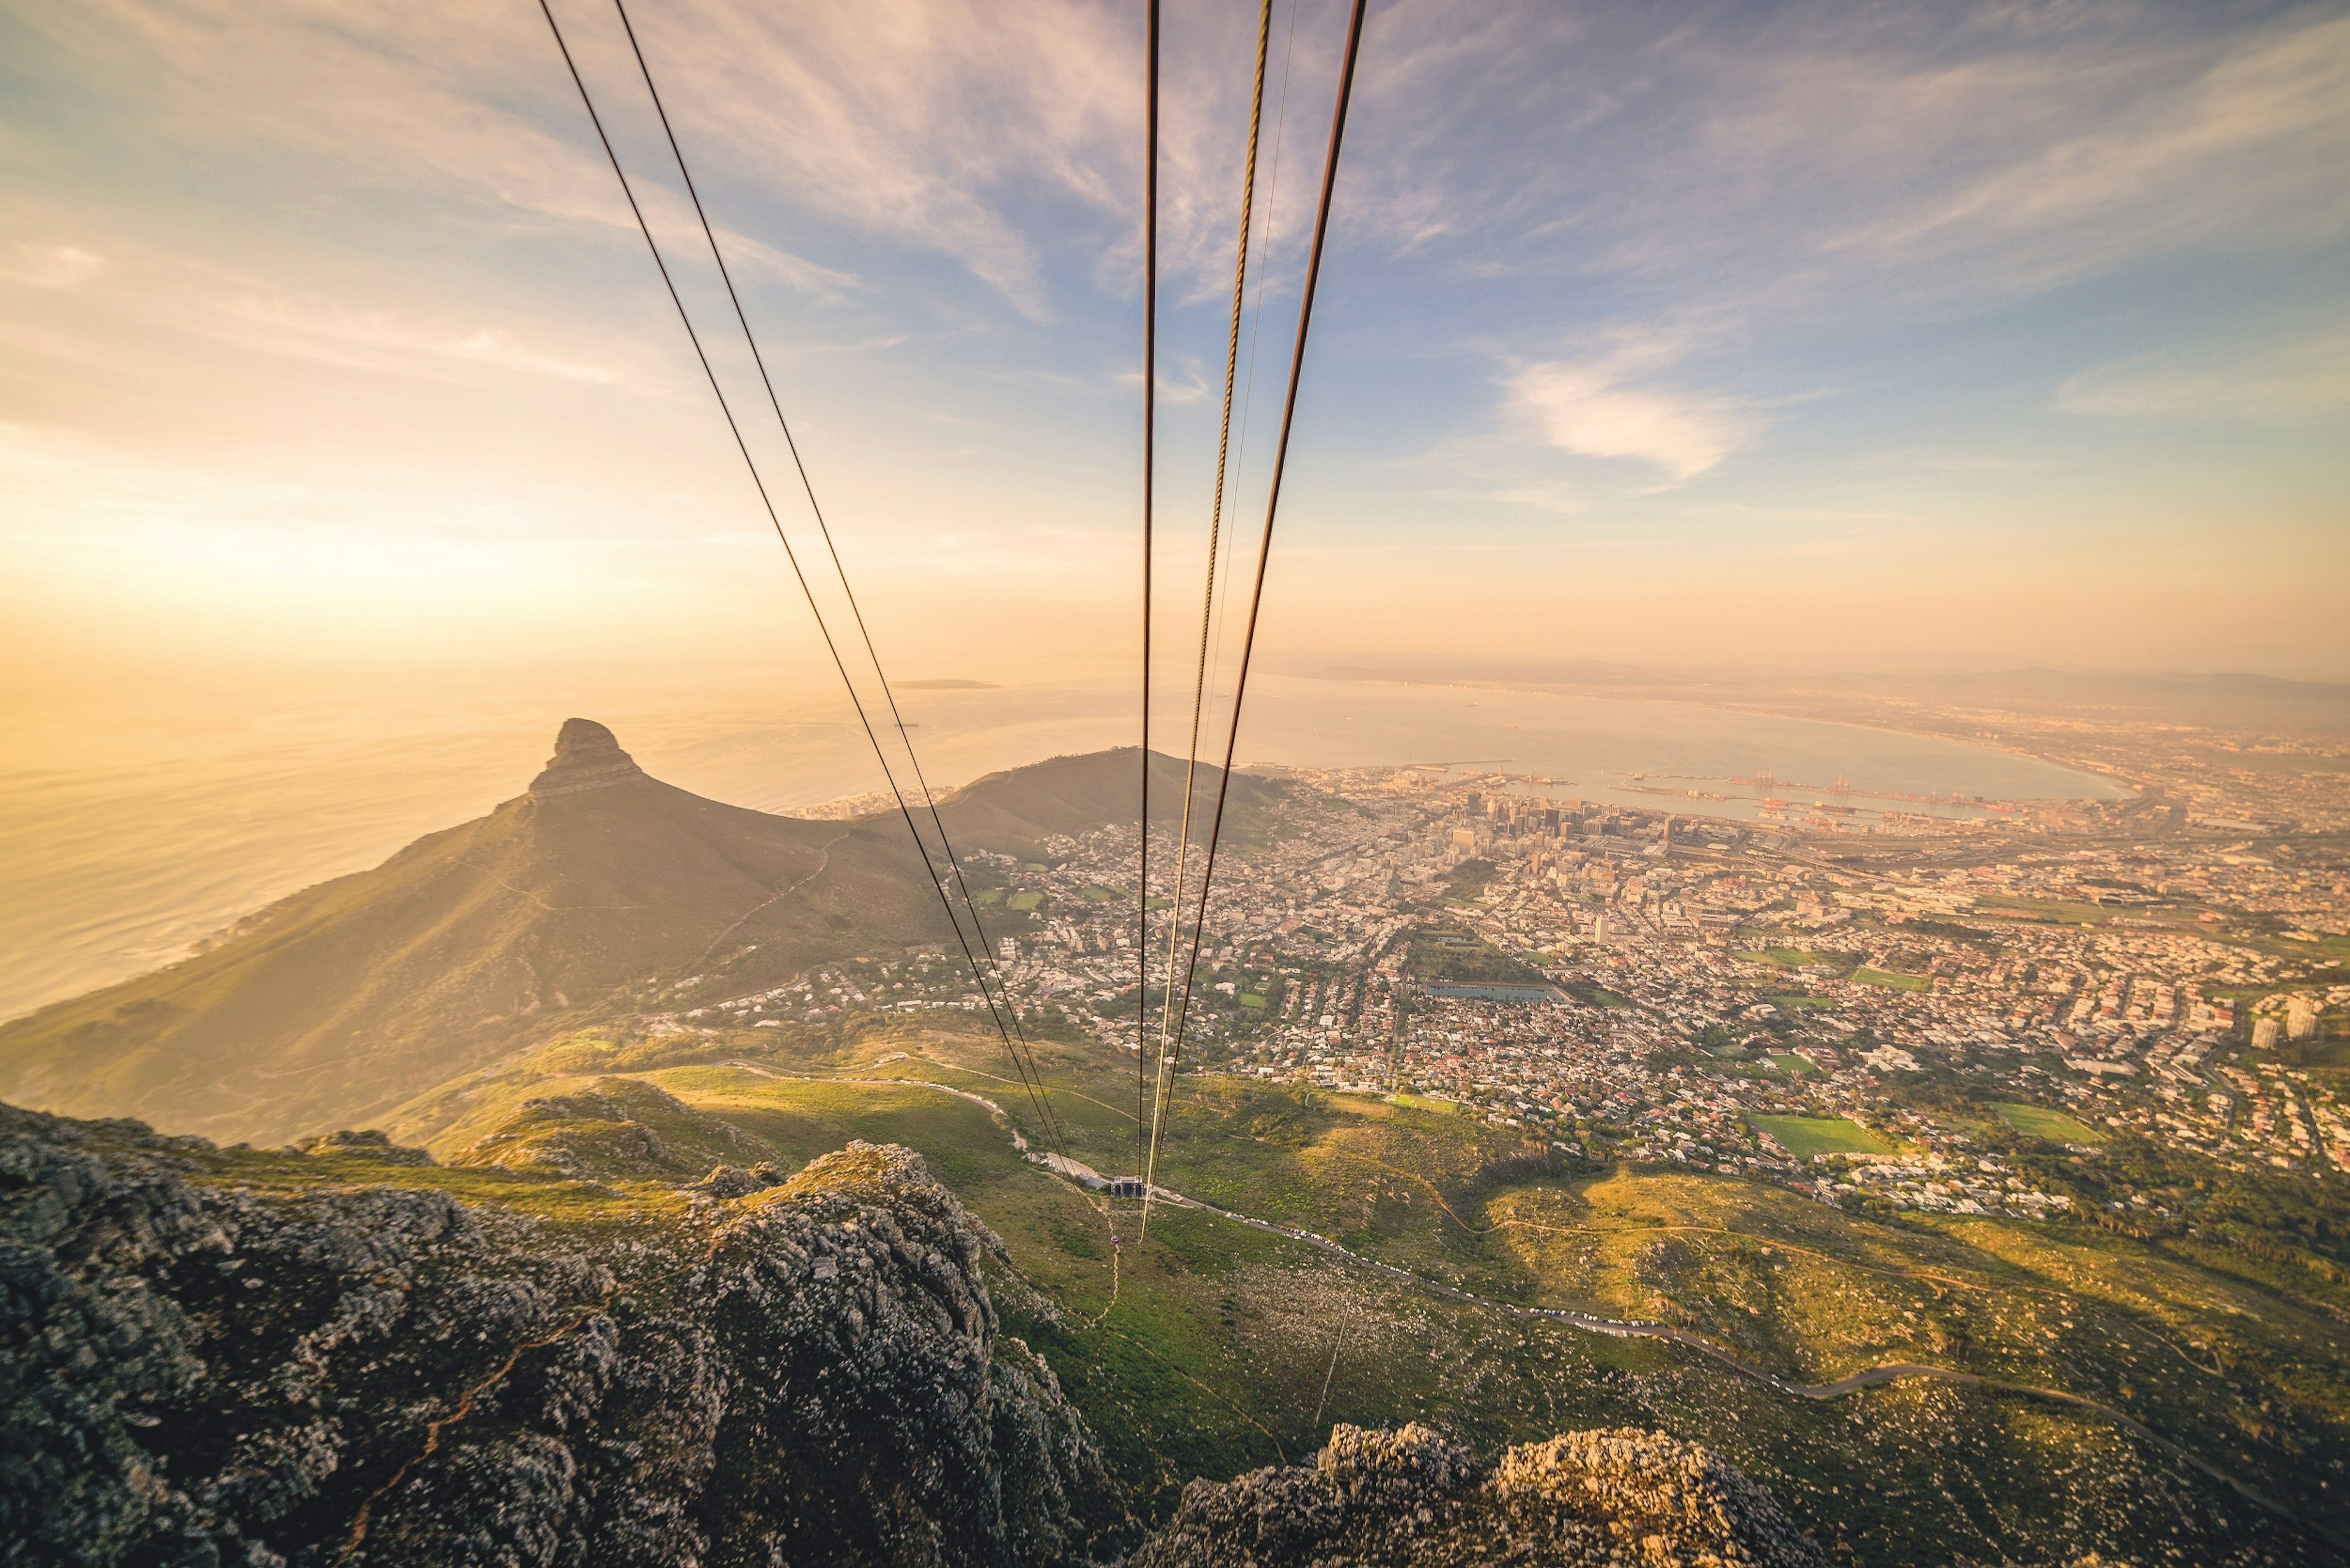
824, 528
1047, 1123
1149, 459
1256, 313
1265, 556
1215, 533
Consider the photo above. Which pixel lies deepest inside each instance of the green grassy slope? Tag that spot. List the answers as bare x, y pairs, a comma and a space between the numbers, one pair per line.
1208, 1350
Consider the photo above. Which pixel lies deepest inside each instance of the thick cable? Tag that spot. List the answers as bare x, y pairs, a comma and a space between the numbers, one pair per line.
750, 340
1215, 526
1265, 556
1256, 313
1047, 1122
1150, 459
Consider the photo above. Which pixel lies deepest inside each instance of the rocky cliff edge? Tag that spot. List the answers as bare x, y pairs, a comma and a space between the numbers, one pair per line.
1409, 1499
345, 1355
303, 1367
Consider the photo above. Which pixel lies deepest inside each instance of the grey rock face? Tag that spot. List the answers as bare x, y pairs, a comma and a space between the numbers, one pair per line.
602, 1130
1389, 1500
322, 1368
311, 1374
370, 1141
587, 756
734, 1181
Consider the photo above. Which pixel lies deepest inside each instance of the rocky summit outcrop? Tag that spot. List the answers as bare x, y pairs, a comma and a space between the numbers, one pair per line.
615, 1127
587, 756
1409, 1498
236, 1356
340, 1355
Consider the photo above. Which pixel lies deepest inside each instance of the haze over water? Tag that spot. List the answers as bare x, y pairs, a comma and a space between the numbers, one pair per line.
119, 868
1593, 746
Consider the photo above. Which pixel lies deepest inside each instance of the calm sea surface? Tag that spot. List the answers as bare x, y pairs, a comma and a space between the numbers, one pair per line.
113, 871
1601, 746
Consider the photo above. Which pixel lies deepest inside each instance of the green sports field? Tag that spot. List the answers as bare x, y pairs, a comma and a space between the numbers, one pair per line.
2039, 1121
1805, 1136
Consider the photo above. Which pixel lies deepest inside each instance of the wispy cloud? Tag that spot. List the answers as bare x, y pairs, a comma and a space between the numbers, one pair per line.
745, 252
931, 124
380, 339
2286, 382
52, 265
464, 107
2207, 152
1563, 499
228, 207
260, 315
1615, 406
1815, 159
1190, 387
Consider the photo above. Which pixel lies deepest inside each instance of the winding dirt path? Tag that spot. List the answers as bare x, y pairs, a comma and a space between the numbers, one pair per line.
981, 1100
823, 860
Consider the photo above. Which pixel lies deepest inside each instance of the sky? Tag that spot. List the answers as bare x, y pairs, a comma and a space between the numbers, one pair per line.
1831, 336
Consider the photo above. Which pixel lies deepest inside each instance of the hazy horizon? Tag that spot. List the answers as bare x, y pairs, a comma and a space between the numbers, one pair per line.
163, 839
1816, 337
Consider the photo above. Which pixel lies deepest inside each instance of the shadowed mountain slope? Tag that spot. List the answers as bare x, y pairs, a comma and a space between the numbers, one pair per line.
1015, 810
559, 905
594, 893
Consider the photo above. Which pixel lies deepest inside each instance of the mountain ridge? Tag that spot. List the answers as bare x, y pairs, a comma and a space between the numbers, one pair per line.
582, 899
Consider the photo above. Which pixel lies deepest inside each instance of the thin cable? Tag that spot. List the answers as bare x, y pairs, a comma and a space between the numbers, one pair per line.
1215, 525
1323, 1403
1265, 556
954, 861
1047, 1124
1256, 313
1149, 458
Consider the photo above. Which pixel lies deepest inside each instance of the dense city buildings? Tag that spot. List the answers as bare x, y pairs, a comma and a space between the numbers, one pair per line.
1863, 997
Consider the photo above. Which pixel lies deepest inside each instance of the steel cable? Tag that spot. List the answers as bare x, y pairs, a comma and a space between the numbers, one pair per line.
1149, 459
1256, 315
1215, 530
1045, 1119
824, 528
1265, 556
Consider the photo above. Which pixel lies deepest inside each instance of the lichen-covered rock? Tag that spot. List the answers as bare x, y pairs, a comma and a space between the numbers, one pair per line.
309, 1371
614, 1128
373, 1142
734, 1181
1409, 1498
